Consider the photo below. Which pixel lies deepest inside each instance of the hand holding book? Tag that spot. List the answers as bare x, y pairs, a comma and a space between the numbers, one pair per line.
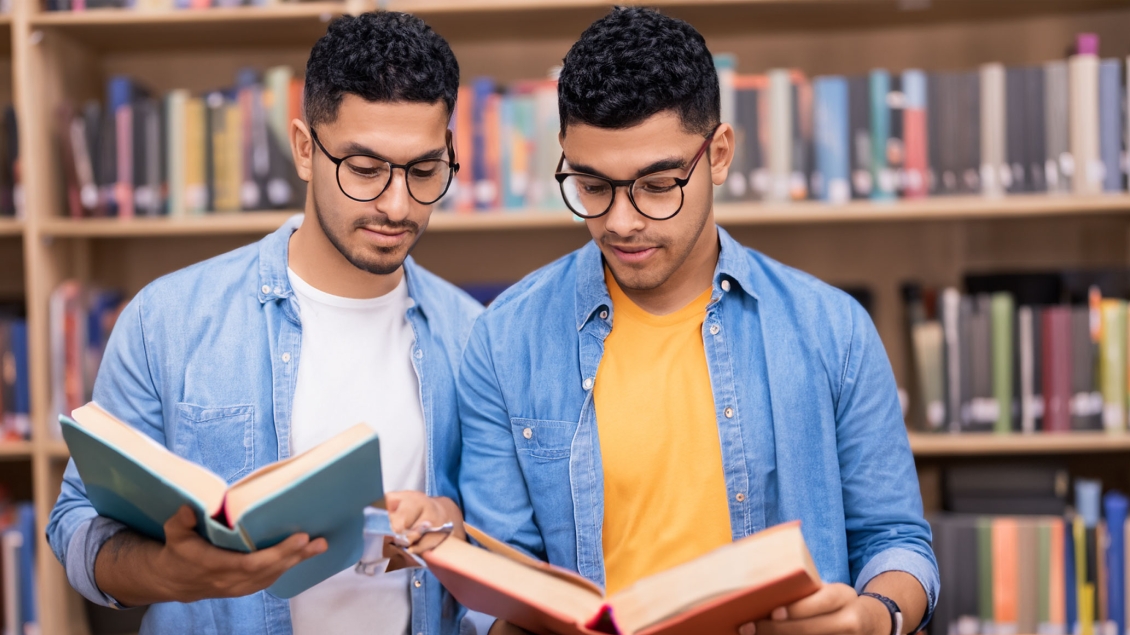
137, 571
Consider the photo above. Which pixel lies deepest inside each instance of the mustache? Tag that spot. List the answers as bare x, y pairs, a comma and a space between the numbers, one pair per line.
384, 223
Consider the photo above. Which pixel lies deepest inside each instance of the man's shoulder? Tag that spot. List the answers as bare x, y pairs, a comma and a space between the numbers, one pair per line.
220, 276
803, 292
552, 286
445, 300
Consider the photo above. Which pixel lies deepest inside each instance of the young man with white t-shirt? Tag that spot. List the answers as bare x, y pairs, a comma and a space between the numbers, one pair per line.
266, 351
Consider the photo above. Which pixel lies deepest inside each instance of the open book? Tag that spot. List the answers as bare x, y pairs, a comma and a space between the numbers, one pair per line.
135, 480
716, 593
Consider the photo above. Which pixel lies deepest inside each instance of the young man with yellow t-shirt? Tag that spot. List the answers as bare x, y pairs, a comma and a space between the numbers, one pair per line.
663, 390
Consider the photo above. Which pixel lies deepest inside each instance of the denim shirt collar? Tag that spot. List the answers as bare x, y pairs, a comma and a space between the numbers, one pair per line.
274, 283
592, 293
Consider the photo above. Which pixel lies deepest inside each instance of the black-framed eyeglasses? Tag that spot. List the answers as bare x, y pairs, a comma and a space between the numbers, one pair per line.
657, 196
364, 177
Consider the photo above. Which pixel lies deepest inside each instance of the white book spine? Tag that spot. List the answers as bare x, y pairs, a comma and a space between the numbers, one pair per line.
780, 134
1083, 80
992, 129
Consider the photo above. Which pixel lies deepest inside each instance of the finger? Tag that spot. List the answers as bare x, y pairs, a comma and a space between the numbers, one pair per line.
829, 599
180, 524
843, 621
265, 560
747, 629
284, 564
427, 543
392, 501
407, 515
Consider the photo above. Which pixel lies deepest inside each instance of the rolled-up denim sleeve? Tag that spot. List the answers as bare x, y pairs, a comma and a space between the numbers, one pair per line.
886, 530
126, 387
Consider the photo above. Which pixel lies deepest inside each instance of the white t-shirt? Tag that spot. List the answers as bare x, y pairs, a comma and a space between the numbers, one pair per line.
355, 366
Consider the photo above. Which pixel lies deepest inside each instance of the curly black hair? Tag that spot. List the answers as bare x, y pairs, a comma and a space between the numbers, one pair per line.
379, 56
634, 63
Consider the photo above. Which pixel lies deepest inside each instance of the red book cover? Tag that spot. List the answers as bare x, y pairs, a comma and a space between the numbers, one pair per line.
1056, 340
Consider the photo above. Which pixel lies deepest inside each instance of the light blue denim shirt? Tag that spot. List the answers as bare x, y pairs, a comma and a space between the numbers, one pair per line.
807, 409
204, 361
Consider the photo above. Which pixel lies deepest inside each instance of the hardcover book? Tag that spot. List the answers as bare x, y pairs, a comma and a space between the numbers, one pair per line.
323, 492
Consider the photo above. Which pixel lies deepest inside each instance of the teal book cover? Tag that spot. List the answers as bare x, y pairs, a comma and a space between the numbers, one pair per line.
323, 492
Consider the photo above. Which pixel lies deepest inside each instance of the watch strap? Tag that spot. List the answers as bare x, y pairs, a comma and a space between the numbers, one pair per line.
892, 608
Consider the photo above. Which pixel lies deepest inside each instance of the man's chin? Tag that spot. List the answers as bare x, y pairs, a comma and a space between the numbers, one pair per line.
381, 264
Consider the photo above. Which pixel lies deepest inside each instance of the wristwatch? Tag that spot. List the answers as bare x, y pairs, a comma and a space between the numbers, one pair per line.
892, 607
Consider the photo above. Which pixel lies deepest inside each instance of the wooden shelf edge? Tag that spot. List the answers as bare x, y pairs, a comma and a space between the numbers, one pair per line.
118, 17
955, 445
727, 214
57, 449
15, 450
11, 227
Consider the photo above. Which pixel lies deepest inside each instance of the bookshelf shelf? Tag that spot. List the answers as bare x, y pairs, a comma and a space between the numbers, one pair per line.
950, 445
117, 30
728, 214
11, 227
57, 450
15, 450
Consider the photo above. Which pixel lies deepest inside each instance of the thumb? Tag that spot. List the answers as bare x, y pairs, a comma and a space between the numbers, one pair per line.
180, 523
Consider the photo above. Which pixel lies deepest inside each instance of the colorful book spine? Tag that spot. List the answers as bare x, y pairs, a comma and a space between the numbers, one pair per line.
831, 132
883, 179
1112, 364
1083, 88
1111, 138
1057, 369
1115, 507
993, 163
915, 133
1003, 318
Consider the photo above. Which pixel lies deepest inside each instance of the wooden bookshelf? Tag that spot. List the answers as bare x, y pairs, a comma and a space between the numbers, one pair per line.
964, 445
57, 57
727, 214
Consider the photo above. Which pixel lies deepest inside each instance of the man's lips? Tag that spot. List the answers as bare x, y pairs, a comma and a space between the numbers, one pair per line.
633, 253
385, 235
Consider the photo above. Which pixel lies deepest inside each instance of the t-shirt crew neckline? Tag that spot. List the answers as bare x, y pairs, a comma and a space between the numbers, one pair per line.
620, 300
306, 290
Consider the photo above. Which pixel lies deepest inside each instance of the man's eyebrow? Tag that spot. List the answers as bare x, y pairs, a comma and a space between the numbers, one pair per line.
661, 165
356, 148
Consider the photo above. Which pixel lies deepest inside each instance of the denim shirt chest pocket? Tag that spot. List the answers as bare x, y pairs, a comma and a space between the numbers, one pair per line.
221, 439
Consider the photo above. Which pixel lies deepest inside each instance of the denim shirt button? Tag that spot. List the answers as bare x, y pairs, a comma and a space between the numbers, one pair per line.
714, 328
588, 383
265, 289
725, 285
416, 583
286, 358
740, 497
604, 315
419, 353
729, 412
528, 433
278, 290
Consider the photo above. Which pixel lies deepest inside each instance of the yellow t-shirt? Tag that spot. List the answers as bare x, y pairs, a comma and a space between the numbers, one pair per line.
664, 489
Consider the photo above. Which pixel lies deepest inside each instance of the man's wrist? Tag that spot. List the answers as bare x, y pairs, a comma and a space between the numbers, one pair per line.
883, 620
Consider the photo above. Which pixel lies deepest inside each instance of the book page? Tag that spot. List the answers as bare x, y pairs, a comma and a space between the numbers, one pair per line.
278, 476
753, 561
195, 480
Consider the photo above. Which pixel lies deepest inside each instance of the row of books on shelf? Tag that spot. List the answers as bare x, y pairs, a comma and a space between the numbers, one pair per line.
15, 385
18, 590
153, 5
1051, 128
1057, 127
81, 320
142, 155
1034, 352
1051, 574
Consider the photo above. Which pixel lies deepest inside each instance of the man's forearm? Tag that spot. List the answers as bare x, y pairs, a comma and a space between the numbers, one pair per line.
906, 591
125, 570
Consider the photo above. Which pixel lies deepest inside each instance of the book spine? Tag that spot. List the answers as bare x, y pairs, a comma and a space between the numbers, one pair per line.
1110, 124
1025, 325
1112, 364
883, 179
992, 129
1003, 318
1115, 506
1083, 78
831, 133
780, 134
915, 127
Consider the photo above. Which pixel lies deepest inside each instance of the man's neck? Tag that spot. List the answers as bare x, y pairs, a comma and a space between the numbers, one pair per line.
318, 262
687, 283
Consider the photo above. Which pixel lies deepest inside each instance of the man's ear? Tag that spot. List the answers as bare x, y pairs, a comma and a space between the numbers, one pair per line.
302, 149
721, 153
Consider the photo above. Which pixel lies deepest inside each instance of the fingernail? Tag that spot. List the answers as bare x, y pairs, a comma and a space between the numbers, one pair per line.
780, 613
